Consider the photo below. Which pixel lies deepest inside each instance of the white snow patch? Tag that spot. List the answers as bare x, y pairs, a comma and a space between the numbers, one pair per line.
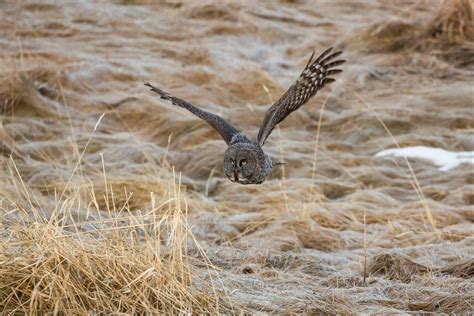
443, 159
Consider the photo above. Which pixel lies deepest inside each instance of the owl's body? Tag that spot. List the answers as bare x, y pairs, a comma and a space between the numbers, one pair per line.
245, 162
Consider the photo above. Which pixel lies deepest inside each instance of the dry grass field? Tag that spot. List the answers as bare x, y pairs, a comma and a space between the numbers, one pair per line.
114, 201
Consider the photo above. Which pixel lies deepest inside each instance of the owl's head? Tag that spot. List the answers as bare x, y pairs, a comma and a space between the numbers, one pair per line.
246, 163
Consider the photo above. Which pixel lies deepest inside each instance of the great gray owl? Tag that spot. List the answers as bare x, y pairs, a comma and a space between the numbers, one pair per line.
244, 160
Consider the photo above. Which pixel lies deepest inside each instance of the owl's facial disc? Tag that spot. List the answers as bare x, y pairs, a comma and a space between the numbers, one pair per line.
239, 164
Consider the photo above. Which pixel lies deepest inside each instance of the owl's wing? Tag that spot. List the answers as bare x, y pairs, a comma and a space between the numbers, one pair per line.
314, 77
226, 130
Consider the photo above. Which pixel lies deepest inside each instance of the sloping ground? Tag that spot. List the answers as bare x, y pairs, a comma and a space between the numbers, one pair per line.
112, 200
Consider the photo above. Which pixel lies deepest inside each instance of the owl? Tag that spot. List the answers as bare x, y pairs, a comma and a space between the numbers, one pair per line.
245, 162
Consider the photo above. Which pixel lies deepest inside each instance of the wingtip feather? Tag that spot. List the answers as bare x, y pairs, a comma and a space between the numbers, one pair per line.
310, 59
328, 80
334, 63
323, 55
330, 57
333, 72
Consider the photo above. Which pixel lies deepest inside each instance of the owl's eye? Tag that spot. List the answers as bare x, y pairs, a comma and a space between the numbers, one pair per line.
243, 162
232, 161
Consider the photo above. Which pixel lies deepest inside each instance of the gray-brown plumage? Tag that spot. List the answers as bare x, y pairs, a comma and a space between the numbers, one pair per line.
244, 160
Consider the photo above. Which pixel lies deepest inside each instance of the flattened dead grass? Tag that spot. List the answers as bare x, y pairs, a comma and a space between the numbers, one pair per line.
449, 34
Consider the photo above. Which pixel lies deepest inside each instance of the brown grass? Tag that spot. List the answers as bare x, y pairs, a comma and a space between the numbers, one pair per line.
116, 262
448, 34
395, 266
112, 201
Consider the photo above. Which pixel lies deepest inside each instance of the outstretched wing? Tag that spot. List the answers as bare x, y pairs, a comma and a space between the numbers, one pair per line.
314, 77
226, 130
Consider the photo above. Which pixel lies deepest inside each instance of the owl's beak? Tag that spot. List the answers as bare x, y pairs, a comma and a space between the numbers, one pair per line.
236, 176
